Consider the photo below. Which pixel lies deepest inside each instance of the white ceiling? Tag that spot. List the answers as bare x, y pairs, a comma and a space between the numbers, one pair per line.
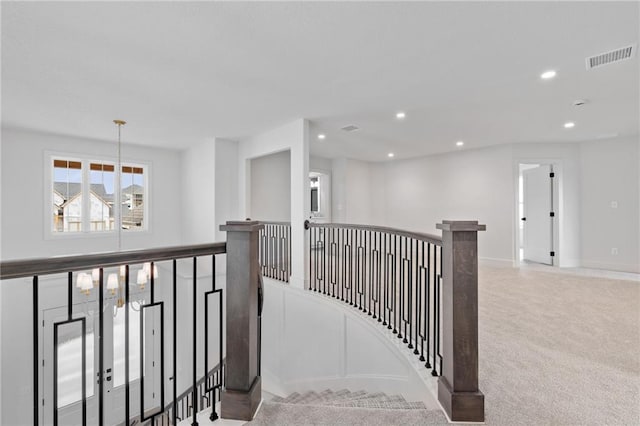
183, 72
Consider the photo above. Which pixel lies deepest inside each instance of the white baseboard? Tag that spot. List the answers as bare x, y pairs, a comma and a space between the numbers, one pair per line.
497, 262
619, 267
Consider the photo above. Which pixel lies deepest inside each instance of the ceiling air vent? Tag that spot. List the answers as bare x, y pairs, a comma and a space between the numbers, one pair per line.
610, 57
350, 128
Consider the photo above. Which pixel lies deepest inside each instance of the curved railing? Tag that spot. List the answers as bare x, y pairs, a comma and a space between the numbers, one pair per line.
392, 275
275, 250
421, 287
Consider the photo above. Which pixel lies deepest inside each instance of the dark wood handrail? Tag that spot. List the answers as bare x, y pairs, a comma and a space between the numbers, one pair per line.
434, 239
59, 264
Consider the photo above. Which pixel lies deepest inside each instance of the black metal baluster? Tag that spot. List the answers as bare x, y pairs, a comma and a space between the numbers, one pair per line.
436, 312
369, 295
409, 254
428, 305
352, 244
315, 257
195, 338
357, 269
325, 283
175, 340
386, 284
83, 350
36, 353
395, 284
127, 390
402, 290
101, 348
379, 272
342, 257
419, 306
439, 308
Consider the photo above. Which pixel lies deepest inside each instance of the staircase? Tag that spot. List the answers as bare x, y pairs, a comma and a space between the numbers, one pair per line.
345, 408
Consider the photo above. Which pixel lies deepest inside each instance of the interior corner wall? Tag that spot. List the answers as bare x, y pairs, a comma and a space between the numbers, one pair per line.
353, 191
226, 191
610, 178
271, 187
198, 193
295, 138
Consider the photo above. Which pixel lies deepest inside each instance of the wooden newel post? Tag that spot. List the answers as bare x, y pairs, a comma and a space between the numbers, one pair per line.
458, 390
243, 391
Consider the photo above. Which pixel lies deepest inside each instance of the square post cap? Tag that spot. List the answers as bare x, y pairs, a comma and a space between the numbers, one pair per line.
460, 225
242, 226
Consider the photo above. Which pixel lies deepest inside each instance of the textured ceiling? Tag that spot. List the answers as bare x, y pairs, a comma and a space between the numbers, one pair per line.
183, 72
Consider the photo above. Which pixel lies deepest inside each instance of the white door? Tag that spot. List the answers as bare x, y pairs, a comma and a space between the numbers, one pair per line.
69, 362
538, 205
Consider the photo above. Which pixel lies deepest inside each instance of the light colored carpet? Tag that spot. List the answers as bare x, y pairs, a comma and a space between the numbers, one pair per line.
555, 349
558, 349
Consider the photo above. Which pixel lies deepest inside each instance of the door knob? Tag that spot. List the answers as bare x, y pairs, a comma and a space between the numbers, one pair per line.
524, 218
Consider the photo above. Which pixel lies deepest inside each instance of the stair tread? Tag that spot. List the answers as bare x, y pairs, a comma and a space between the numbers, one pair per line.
346, 399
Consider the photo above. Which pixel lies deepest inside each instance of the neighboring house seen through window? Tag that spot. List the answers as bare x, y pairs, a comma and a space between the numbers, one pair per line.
85, 196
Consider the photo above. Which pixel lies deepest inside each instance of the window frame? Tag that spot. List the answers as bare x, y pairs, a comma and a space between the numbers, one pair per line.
86, 160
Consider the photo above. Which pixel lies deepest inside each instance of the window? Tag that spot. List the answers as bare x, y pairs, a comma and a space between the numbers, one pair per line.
132, 197
85, 196
67, 201
102, 197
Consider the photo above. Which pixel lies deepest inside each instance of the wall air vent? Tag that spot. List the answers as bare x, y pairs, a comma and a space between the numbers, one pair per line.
611, 57
350, 128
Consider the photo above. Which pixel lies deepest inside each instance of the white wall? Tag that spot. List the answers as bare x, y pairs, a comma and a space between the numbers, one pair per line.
198, 189
295, 138
610, 174
271, 187
353, 193
481, 184
23, 196
357, 353
417, 194
320, 164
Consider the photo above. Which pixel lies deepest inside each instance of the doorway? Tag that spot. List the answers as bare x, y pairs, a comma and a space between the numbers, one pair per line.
538, 212
320, 189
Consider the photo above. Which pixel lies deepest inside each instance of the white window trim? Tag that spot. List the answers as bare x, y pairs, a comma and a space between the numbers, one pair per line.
86, 159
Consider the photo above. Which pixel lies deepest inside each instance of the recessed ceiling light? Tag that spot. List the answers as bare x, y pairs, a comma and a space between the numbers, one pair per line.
390, 155
459, 143
322, 136
569, 125
400, 115
548, 74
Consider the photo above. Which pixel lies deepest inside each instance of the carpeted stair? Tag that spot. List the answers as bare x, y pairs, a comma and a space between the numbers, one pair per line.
345, 408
